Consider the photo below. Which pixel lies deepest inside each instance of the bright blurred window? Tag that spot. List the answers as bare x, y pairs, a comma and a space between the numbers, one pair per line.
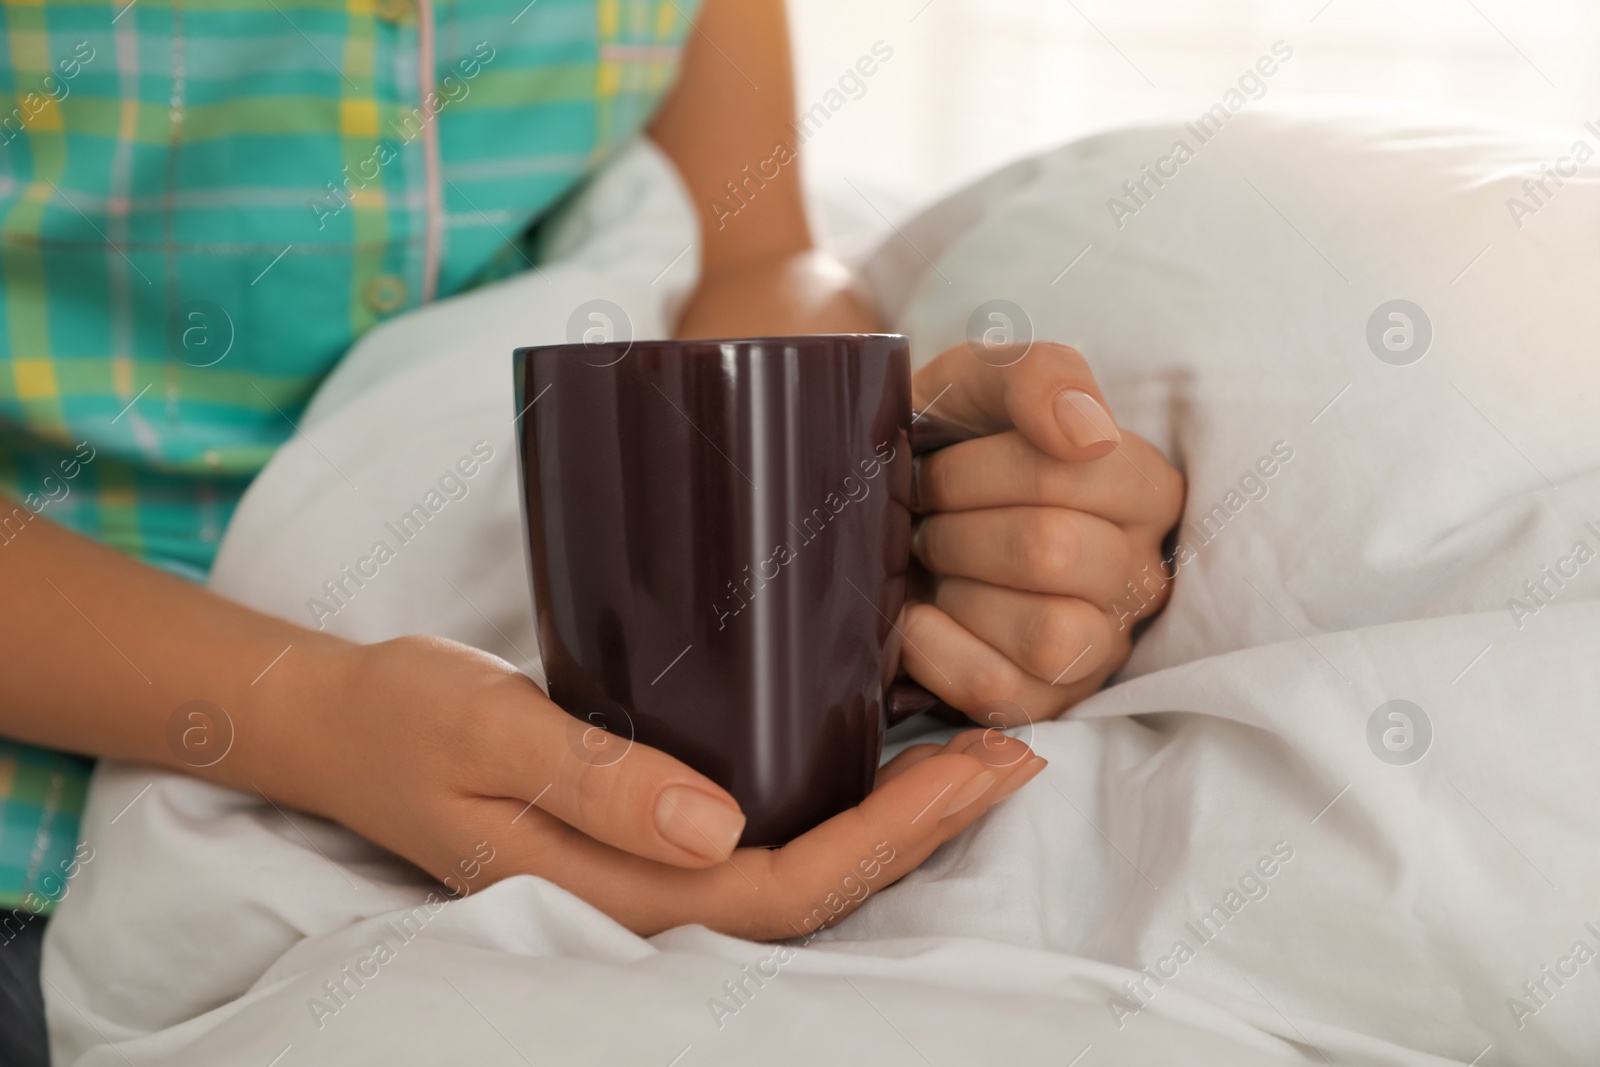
975, 83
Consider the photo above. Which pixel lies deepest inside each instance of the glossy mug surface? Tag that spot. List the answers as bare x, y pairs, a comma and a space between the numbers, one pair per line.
718, 536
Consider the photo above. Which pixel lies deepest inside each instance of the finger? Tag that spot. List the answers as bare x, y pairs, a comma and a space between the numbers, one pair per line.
837, 866
1132, 486
628, 795
1056, 639
904, 761
1042, 550
991, 746
815, 879
974, 677
1048, 393
996, 749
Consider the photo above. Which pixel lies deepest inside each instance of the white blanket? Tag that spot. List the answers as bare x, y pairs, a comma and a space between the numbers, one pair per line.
1236, 855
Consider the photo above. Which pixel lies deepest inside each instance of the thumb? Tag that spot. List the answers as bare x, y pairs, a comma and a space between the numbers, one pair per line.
606, 786
1048, 394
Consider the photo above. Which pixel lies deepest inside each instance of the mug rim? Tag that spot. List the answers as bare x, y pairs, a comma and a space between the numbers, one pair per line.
689, 345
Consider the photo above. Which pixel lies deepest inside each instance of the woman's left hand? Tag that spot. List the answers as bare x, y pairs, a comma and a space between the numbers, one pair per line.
1044, 538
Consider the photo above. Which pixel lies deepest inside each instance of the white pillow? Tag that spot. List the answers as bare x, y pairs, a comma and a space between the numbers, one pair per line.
1231, 308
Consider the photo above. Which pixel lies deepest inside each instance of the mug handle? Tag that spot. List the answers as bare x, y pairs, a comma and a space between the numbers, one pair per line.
906, 698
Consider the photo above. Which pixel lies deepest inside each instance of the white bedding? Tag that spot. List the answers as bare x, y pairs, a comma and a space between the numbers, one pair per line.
1407, 902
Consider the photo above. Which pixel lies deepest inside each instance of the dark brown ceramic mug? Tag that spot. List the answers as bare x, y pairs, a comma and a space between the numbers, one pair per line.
719, 537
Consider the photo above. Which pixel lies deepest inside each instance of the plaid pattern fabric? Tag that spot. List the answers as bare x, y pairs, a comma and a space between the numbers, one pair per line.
203, 203
43, 795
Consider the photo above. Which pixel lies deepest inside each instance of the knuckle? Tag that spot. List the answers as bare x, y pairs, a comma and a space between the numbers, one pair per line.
1164, 484
1054, 630
1160, 492
597, 796
1157, 582
917, 620
1047, 545
1065, 358
1048, 634
1148, 585
1102, 636
1119, 555
1093, 642
990, 679
1171, 490
1049, 481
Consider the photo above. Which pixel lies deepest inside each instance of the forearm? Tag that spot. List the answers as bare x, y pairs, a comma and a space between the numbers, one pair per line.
101, 651
726, 127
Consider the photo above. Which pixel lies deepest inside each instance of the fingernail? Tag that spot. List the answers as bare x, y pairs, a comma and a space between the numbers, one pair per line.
1021, 777
968, 793
994, 748
698, 823
1084, 419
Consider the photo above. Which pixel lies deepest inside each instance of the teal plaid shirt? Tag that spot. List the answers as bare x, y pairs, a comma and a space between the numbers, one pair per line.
203, 203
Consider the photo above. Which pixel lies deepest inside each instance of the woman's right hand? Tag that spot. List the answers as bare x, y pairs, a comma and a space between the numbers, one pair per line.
441, 753
456, 761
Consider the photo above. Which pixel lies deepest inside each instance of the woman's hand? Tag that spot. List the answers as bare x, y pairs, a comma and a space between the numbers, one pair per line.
451, 758
443, 754
1044, 539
